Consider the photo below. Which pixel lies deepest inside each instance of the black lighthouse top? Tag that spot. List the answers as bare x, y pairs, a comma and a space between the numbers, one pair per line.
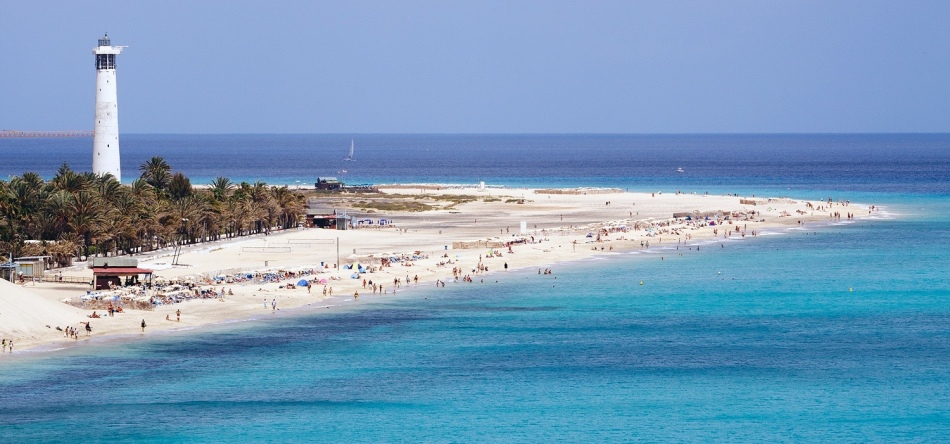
104, 41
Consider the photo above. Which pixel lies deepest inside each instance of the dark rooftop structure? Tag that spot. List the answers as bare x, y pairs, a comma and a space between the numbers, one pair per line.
328, 183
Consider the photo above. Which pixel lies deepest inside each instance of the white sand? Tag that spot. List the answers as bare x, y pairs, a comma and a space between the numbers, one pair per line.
24, 315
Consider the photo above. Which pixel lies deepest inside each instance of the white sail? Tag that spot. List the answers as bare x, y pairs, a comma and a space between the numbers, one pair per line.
350, 157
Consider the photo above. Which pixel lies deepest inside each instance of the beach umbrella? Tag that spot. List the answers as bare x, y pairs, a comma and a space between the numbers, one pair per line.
302, 282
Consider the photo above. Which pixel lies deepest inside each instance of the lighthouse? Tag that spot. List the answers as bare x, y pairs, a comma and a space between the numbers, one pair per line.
105, 142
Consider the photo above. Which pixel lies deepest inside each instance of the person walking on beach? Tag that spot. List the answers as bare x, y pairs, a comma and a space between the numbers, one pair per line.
356, 295
273, 304
143, 325
178, 315
88, 328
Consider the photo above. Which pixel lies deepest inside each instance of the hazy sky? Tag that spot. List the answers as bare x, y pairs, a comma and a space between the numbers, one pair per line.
482, 66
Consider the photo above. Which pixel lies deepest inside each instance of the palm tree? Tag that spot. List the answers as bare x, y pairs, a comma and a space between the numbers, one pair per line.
109, 189
221, 188
85, 218
290, 205
33, 180
67, 180
76, 213
58, 206
179, 187
9, 215
27, 205
156, 172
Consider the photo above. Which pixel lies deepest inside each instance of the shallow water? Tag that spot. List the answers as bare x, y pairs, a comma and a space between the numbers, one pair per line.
805, 337
840, 332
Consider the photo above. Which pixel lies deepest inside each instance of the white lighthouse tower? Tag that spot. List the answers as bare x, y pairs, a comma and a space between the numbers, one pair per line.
105, 142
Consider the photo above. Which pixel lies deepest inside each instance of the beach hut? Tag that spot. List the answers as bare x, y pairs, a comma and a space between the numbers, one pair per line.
32, 266
105, 277
328, 184
8, 271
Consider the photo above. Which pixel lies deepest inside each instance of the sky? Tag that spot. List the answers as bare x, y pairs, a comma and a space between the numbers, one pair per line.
515, 66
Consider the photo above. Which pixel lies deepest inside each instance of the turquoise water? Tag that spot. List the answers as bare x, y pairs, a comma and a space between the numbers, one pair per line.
835, 333
758, 341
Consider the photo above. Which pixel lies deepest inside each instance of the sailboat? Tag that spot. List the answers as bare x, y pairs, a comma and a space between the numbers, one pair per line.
350, 157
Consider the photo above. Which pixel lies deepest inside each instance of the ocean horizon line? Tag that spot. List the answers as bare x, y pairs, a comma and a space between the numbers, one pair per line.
842, 133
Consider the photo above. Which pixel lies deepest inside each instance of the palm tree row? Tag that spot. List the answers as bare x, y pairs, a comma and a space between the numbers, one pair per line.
81, 214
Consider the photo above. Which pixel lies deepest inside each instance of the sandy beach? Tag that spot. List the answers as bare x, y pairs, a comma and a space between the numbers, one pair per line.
447, 244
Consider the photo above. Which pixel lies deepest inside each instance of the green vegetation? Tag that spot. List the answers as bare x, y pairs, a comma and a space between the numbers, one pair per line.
455, 198
450, 198
406, 202
78, 214
394, 205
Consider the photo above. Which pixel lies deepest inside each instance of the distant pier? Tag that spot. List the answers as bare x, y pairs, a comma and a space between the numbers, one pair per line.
14, 134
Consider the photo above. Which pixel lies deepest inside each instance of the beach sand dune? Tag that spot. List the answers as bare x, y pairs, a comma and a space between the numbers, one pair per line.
24, 314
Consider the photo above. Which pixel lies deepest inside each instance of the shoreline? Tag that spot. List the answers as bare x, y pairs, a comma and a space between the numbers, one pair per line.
556, 221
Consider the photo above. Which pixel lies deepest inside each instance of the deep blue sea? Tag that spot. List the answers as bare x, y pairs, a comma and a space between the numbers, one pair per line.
914, 163
836, 334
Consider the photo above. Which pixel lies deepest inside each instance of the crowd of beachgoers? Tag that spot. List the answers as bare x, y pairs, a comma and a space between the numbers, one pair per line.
419, 253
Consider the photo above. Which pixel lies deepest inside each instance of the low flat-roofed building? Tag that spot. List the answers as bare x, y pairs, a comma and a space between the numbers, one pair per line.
328, 183
8, 271
110, 271
108, 277
327, 218
32, 266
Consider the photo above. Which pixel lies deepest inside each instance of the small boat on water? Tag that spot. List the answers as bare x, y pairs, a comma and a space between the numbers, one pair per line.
350, 156
680, 170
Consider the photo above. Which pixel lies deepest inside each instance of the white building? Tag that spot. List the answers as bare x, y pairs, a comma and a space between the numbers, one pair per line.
105, 142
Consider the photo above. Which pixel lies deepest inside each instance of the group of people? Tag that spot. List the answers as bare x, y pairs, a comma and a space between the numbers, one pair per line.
112, 311
837, 215
376, 287
73, 332
7, 344
176, 294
